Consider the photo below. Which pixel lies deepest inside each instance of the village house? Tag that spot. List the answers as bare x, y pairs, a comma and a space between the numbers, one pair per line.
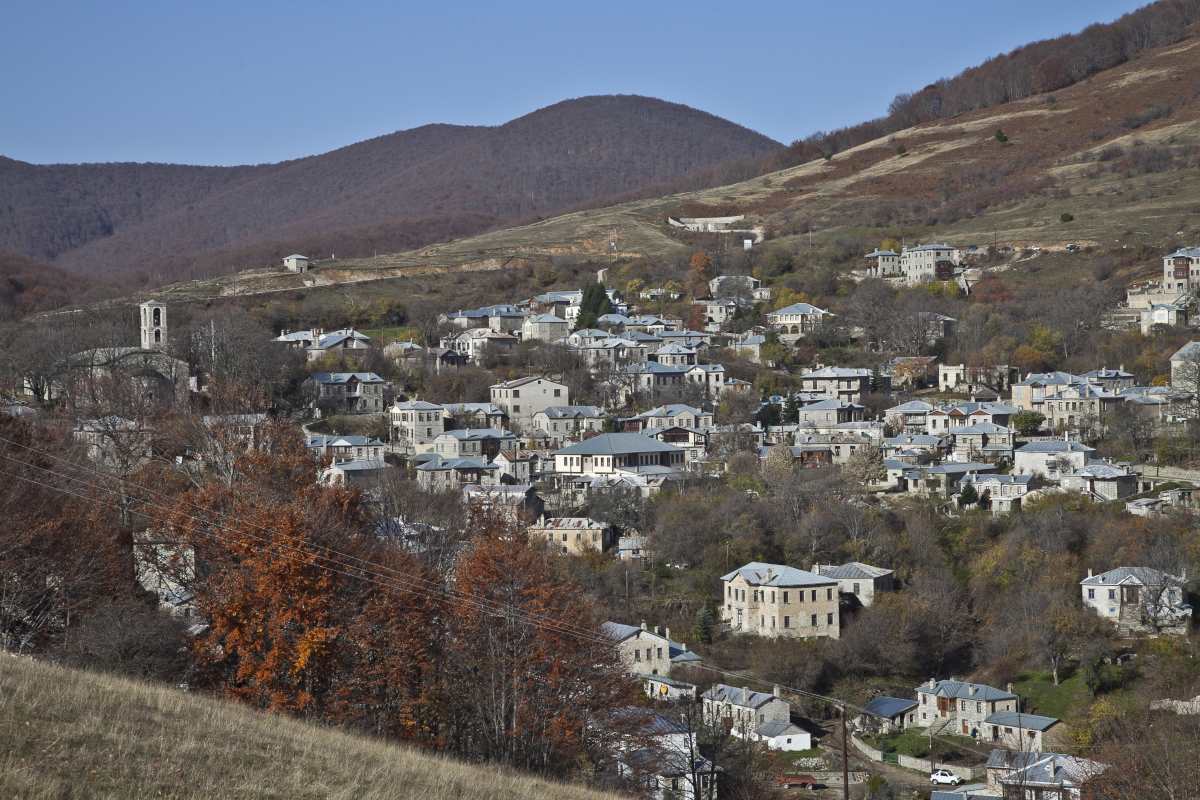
673, 355
741, 707
1112, 380
863, 581
403, 352
1027, 395
520, 399
1051, 458
1139, 599
938, 479
1082, 406
710, 378
1042, 776
344, 448
573, 536
884, 715
959, 707
648, 651
437, 474
1017, 731
485, 443
474, 415
837, 383
316, 343
982, 441
569, 422
776, 735
1181, 270
776, 600
719, 310
673, 415
365, 474
945, 419
1002, 494
993, 380
544, 328
616, 453
1100, 481
648, 379
797, 320
476, 343
518, 503
913, 448
909, 417
883, 264
827, 413
928, 262
500, 318
632, 548
349, 392
295, 263
661, 756
744, 286
416, 424
1158, 404
517, 467
912, 372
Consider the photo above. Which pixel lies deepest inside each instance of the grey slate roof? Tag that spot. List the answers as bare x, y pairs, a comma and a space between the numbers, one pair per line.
961, 690
888, 707
777, 728
1015, 719
756, 573
738, 696
1056, 446
1145, 576
852, 570
617, 444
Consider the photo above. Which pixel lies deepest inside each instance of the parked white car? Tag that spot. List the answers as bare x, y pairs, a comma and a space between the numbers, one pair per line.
944, 777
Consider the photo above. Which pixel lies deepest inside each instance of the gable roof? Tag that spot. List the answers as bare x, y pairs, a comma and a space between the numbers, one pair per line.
746, 697
617, 444
1055, 446
961, 690
802, 309
888, 707
1015, 719
346, 377
756, 573
852, 570
1135, 576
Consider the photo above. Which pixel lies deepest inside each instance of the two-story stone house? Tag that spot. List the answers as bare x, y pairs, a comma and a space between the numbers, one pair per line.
673, 415
797, 320
615, 453
485, 443
569, 422
524, 397
960, 707
339, 449
1138, 599
350, 392
741, 707
573, 536
837, 383
415, 424
648, 651
777, 600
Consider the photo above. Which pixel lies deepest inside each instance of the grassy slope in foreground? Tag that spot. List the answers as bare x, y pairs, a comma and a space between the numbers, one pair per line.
71, 734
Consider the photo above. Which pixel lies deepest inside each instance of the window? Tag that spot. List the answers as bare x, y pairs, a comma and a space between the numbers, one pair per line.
856, 589
785, 599
829, 594
637, 655
829, 619
814, 620
979, 708
1112, 594
787, 622
660, 652
814, 595
516, 393
558, 392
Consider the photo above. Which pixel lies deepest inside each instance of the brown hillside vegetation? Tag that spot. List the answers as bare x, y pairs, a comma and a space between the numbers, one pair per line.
393, 192
71, 734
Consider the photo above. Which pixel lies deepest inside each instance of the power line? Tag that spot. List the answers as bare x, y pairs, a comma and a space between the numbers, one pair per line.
369, 575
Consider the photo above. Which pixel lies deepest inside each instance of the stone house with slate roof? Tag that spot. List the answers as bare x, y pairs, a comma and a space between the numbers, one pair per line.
1017, 731
1139, 599
887, 715
776, 600
959, 707
861, 580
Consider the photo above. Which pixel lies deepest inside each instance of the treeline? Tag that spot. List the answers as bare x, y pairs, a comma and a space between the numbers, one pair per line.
1031, 69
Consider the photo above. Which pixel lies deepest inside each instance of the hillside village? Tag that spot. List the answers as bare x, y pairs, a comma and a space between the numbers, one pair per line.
613, 416
626, 452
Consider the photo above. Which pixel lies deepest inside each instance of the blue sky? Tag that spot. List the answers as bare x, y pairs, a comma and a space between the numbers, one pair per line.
246, 82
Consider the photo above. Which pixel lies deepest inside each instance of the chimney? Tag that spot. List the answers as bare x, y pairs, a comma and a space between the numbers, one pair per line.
776, 690
974, 690
1089, 572
932, 683
667, 633
1008, 687
657, 631
643, 624
683, 646
745, 694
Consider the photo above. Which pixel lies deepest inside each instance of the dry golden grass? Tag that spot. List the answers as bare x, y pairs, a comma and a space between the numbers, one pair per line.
71, 734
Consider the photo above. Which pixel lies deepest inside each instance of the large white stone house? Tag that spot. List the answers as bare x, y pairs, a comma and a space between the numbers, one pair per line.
960, 707
928, 262
856, 578
837, 383
416, 424
1138, 599
777, 600
1181, 270
524, 397
797, 320
618, 453
1051, 458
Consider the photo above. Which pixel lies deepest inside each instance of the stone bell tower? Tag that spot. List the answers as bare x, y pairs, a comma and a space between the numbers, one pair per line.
154, 325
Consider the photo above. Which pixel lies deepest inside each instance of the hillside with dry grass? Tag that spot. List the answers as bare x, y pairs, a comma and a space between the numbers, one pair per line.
71, 734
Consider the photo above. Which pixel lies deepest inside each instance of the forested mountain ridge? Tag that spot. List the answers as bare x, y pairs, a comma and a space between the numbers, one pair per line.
396, 191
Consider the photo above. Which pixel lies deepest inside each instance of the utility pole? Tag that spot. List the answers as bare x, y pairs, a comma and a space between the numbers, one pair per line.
845, 756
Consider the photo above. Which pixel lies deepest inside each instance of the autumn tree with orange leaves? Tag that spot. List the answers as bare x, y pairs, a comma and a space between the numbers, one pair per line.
529, 668
699, 273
